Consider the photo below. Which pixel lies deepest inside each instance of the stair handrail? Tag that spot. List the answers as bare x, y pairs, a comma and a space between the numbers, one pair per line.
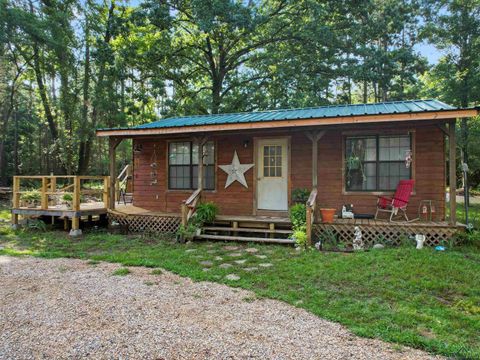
310, 216
121, 182
189, 206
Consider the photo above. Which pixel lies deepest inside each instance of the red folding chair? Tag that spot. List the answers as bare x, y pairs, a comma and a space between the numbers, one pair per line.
399, 201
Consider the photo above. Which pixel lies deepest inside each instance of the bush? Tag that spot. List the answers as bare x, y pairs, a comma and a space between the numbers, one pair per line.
300, 237
300, 195
298, 216
205, 213
31, 196
68, 197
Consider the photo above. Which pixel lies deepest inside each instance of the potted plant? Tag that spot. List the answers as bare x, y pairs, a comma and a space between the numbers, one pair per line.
327, 215
31, 198
67, 199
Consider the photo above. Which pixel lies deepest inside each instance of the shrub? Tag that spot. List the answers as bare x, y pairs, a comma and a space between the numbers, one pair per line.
31, 196
300, 195
68, 197
205, 213
300, 237
298, 216
187, 232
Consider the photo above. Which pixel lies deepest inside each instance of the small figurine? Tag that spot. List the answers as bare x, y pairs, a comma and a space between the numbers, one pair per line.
420, 239
357, 241
347, 212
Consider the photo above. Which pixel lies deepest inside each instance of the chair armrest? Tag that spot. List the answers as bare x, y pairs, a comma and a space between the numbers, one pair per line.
383, 201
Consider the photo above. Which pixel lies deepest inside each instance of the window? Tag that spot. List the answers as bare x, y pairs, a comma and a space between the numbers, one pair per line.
376, 163
183, 165
272, 161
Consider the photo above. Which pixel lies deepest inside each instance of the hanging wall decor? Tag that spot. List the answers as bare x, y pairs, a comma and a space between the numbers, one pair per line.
236, 171
153, 166
408, 158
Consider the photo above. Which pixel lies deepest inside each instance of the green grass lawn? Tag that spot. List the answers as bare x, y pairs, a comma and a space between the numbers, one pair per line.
421, 298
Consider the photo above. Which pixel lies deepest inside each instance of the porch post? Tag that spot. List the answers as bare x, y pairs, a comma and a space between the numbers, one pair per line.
113, 142
201, 142
314, 137
452, 172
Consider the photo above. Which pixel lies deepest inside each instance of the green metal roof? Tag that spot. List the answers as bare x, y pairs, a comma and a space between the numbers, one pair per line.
392, 107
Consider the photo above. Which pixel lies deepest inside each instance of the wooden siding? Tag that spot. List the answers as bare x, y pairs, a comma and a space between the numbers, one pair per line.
428, 169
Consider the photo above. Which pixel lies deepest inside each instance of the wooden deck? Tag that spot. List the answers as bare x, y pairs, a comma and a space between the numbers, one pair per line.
86, 209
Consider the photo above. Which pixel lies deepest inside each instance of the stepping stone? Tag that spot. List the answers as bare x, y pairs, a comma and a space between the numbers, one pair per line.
225, 266
232, 277
251, 250
206, 269
235, 254
206, 263
261, 256
249, 269
265, 265
190, 250
218, 258
243, 261
231, 248
211, 251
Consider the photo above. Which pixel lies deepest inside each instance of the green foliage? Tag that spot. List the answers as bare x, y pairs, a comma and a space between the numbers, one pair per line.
300, 195
300, 237
67, 197
121, 272
31, 196
298, 216
205, 213
187, 232
35, 225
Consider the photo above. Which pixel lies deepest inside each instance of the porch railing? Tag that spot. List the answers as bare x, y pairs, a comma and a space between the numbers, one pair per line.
121, 181
311, 205
48, 186
189, 206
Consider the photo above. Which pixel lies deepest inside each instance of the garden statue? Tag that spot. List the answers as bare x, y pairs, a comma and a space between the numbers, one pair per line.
420, 239
357, 241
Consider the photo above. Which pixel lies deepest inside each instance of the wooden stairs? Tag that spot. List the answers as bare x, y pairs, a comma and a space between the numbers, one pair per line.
261, 229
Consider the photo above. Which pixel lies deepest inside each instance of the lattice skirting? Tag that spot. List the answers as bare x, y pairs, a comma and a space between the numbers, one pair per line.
146, 223
391, 234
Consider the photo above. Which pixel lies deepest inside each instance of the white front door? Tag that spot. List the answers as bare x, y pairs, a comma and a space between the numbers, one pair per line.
272, 174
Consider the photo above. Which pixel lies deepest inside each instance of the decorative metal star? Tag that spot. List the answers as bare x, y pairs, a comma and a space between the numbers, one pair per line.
236, 171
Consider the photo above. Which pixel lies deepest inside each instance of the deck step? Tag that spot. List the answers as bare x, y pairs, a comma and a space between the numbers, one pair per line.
245, 238
243, 230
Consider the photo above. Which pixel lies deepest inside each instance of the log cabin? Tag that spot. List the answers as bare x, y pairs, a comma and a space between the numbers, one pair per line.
252, 165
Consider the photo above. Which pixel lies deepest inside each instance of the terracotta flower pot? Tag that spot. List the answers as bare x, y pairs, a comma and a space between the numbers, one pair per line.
327, 215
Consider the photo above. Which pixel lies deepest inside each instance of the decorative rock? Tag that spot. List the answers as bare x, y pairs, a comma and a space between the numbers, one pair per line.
249, 269
230, 248
225, 266
378, 246
232, 277
243, 261
261, 256
206, 263
251, 250
265, 265
235, 254
77, 232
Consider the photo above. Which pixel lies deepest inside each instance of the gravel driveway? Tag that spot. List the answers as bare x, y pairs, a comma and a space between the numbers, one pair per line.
67, 308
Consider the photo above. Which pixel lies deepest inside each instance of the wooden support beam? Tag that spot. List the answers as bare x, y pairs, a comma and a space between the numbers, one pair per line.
452, 172
314, 137
106, 198
112, 155
15, 200
76, 194
44, 193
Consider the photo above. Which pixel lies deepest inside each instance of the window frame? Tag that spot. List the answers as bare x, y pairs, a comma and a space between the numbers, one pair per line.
377, 136
191, 166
